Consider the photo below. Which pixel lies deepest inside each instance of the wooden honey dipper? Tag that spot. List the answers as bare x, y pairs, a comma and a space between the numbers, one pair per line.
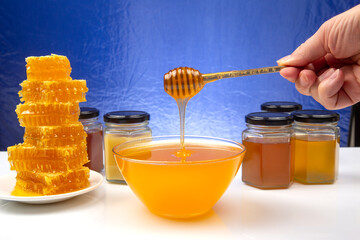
185, 82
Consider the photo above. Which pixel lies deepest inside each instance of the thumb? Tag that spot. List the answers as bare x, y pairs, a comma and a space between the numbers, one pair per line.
313, 49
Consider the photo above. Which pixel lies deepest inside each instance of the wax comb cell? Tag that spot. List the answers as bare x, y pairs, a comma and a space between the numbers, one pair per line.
53, 91
30, 158
55, 136
22, 151
48, 166
44, 108
55, 142
23, 188
47, 68
42, 114
52, 183
54, 178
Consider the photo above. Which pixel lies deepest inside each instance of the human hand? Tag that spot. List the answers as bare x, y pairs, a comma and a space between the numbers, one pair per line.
327, 65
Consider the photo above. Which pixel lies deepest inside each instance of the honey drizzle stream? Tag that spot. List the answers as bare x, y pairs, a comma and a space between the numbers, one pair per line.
182, 102
182, 84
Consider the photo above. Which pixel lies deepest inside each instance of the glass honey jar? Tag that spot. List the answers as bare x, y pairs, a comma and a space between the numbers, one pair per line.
280, 106
120, 127
93, 128
268, 162
316, 146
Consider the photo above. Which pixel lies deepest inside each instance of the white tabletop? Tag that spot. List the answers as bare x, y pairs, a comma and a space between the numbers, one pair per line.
113, 212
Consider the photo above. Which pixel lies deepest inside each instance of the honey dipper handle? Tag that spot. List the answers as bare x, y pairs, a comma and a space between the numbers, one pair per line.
211, 77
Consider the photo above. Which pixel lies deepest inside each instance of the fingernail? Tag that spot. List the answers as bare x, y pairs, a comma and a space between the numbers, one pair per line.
334, 75
283, 60
310, 66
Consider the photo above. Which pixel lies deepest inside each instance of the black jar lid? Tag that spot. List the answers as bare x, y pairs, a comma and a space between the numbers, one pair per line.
126, 117
269, 118
278, 106
316, 116
88, 112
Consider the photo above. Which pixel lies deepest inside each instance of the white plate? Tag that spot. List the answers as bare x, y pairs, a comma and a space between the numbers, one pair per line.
7, 184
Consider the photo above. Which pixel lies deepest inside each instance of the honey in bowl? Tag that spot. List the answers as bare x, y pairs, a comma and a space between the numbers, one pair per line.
179, 184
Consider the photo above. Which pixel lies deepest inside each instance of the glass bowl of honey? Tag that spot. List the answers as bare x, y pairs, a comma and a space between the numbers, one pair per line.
179, 181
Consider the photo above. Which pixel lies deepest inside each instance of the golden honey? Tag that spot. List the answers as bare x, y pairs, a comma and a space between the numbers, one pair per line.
174, 183
316, 146
315, 161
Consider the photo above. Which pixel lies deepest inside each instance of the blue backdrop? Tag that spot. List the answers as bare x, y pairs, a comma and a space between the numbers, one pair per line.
123, 49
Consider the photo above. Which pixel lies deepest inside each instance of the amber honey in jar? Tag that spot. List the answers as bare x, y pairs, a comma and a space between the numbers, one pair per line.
268, 162
280, 106
120, 127
89, 119
316, 146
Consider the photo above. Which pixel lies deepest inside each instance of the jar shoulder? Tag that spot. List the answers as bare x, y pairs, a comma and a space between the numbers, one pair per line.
127, 132
96, 126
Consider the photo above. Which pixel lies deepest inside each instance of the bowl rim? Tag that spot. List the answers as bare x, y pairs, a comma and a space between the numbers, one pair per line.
174, 137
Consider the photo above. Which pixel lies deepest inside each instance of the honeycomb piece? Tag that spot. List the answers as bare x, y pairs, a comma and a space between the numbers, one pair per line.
48, 68
46, 120
55, 136
46, 108
25, 152
48, 166
75, 129
43, 114
23, 188
55, 142
38, 183
53, 91
53, 178
24, 157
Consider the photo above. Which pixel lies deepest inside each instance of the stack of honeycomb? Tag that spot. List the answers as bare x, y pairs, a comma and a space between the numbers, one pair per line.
51, 159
